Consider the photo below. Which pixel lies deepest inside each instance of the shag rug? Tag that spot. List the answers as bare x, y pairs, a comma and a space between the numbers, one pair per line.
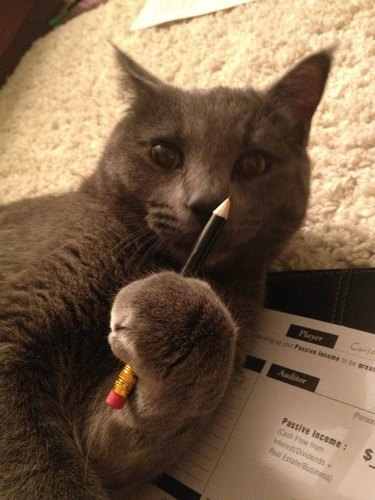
58, 108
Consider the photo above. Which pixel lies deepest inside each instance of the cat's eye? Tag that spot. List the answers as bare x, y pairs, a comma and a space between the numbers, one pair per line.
252, 164
166, 155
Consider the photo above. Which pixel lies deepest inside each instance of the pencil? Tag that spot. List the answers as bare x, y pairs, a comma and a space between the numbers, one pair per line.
127, 377
206, 239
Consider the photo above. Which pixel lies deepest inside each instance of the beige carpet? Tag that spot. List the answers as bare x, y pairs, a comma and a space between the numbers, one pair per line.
58, 108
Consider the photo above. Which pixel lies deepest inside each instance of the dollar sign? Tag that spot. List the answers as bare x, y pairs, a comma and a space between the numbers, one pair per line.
368, 454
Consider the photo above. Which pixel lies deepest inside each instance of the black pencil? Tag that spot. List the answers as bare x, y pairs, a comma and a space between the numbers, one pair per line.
127, 378
206, 239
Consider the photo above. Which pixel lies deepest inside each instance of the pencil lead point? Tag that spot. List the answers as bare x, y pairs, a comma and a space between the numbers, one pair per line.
223, 209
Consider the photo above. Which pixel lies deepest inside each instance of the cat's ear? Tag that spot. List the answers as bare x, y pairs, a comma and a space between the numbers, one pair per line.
136, 79
298, 93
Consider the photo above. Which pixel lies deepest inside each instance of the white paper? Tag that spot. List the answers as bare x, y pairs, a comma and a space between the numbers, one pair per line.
273, 440
162, 11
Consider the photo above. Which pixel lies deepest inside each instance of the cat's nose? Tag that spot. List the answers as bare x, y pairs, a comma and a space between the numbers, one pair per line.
203, 206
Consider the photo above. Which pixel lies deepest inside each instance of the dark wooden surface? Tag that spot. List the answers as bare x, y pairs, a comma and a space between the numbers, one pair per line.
21, 23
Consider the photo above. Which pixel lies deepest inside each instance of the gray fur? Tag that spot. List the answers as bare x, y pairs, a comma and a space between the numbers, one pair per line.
117, 243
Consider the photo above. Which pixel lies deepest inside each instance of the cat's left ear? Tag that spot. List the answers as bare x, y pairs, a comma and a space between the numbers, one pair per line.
298, 93
135, 78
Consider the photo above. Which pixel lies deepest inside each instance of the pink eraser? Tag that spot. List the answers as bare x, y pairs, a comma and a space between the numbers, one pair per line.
117, 402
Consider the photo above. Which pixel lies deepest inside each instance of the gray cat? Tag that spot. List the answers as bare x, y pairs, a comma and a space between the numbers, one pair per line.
171, 160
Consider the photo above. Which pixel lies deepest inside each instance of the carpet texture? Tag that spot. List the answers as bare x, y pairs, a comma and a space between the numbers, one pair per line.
58, 108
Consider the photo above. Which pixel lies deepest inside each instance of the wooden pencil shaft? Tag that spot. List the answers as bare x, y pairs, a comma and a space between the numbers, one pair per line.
203, 245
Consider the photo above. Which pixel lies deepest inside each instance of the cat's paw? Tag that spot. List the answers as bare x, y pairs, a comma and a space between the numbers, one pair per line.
169, 327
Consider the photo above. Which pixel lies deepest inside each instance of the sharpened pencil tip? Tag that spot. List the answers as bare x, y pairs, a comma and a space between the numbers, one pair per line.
223, 209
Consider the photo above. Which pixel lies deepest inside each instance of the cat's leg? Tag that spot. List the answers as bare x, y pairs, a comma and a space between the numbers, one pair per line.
177, 331
39, 458
180, 340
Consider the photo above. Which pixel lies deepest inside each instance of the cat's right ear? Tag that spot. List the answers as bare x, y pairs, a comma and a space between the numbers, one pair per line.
298, 93
136, 79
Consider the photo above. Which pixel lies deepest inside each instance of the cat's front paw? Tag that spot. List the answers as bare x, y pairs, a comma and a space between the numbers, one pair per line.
171, 327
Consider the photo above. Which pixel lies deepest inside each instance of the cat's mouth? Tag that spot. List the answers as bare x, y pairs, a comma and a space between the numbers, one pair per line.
177, 235
173, 239
178, 243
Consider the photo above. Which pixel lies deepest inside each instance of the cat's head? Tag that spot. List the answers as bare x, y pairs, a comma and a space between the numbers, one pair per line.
178, 154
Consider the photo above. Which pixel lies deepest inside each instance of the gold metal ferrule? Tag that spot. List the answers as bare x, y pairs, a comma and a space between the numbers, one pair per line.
125, 381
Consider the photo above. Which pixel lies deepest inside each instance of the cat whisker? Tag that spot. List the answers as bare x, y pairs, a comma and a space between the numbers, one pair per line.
152, 249
130, 238
133, 239
157, 245
140, 243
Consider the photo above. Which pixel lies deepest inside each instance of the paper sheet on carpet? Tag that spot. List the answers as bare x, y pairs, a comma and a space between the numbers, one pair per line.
162, 11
